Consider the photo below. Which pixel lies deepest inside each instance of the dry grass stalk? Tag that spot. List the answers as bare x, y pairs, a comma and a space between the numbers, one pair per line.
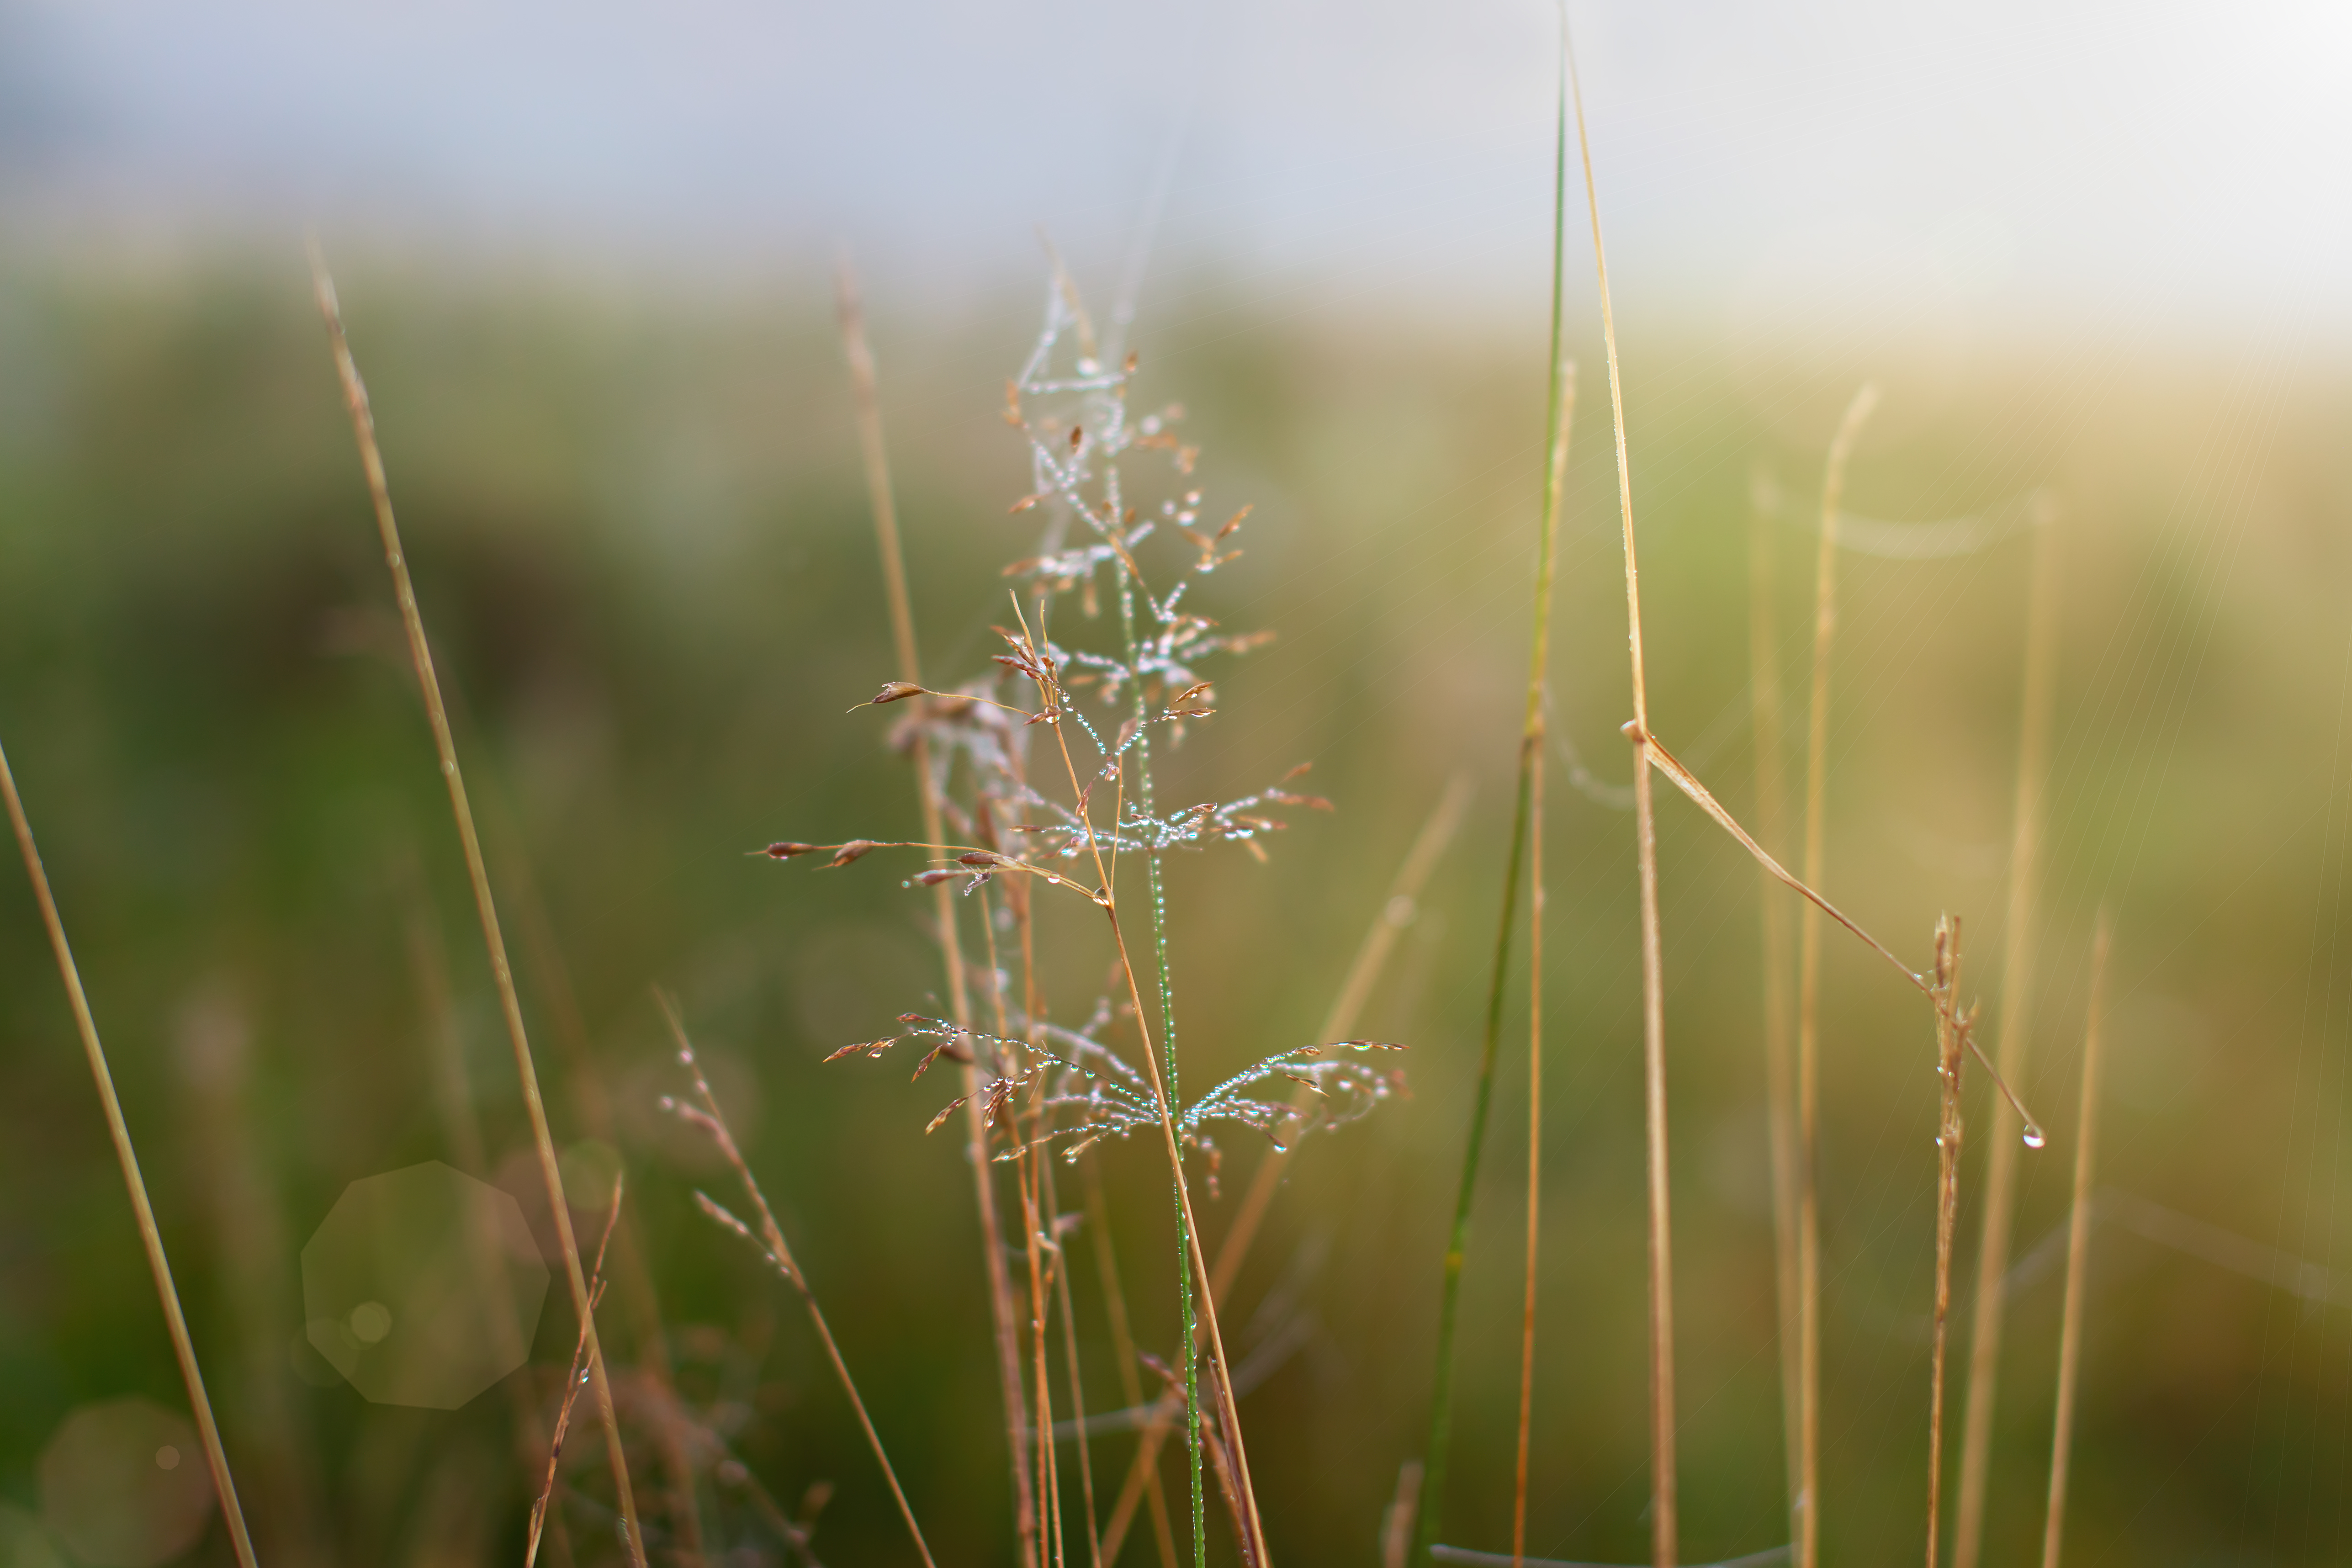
1163, 1097
2016, 1036
768, 1239
2078, 1249
1397, 911
1951, 1029
461, 1129
1558, 401
1533, 737
573, 1378
1663, 1543
1779, 1075
1396, 1521
1001, 1314
1809, 991
629, 1271
1143, 1478
182, 1347
502, 973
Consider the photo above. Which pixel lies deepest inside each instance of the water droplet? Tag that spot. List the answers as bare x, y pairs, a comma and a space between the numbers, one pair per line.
2035, 1136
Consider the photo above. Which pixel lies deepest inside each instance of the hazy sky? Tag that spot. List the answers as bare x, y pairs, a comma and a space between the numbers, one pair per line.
2166, 166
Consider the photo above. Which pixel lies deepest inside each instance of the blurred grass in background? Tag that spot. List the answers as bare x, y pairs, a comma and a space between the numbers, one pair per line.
640, 539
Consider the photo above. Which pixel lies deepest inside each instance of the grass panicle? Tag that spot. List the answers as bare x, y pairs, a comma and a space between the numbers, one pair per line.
1035, 1083
2078, 1249
2016, 1026
478, 873
184, 1347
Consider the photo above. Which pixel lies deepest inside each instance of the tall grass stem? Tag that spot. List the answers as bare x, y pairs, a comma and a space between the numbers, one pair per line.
1449, 1312
2016, 1024
770, 1239
1539, 664
477, 874
1809, 995
1951, 1057
866, 398
1398, 909
1664, 1533
2078, 1249
149, 1237
1765, 696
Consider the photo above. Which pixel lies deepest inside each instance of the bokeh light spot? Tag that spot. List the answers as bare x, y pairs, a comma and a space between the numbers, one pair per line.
370, 1321
423, 1286
107, 1492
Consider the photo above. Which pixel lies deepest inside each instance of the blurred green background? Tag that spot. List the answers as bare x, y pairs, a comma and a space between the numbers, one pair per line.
640, 539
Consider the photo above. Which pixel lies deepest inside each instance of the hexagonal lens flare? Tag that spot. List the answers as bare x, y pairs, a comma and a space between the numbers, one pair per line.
423, 1286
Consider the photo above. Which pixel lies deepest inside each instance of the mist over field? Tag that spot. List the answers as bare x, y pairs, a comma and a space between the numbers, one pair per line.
2086, 254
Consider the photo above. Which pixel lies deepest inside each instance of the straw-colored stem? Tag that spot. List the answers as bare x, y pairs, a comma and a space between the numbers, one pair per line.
1535, 1164
1557, 400
1397, 911
540, 1508
1538, 690
1001, 1312
1808, 998
182, 1347
1950, 1057
1061, 1282
544, 958
494, 941
2078, 1250
1780, 1079
770, 1239
461, 1129
1143, 1476
1202, 1307
2016, 1038
1663, 1544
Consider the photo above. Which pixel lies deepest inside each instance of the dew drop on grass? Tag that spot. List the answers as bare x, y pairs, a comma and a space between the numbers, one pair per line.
2035, 1136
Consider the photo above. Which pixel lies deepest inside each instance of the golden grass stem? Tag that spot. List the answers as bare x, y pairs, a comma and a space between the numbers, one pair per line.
1557, 399
866, 398
502, 973
1397, 911
769, 1239
1143, 1476
2016, 1038
1808, 995
1188, 1225
1779, 1072
538, 1508
2078, 1249
1539, 662
1663, 1540
167, 1294
590, 1102
1950, 1058
461, 1129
